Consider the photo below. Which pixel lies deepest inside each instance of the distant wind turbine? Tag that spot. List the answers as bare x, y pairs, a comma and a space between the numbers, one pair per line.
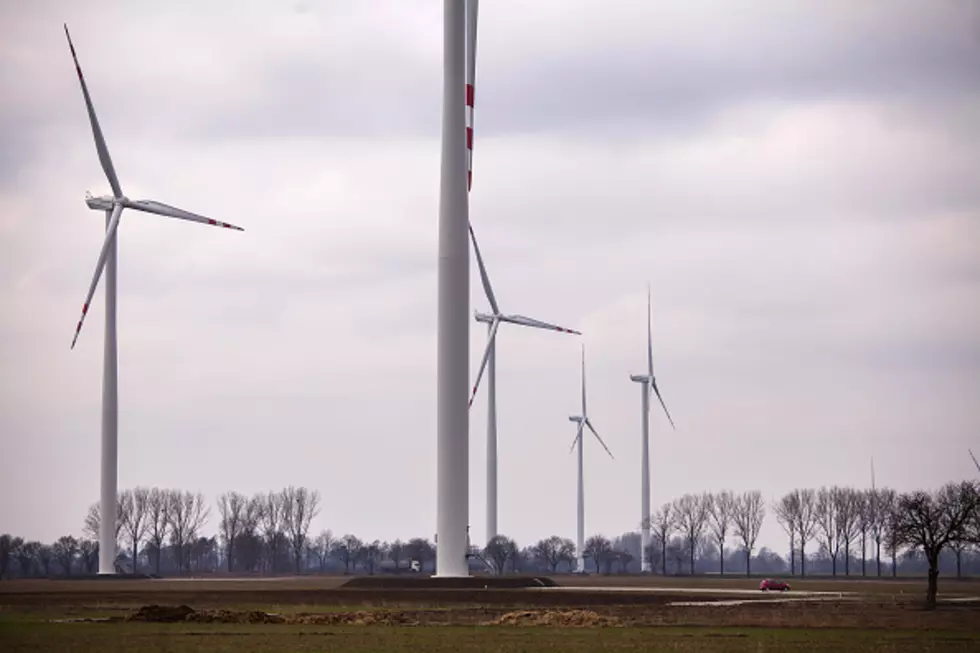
648, 384
113, 206
974, 459
583, 422
493, 321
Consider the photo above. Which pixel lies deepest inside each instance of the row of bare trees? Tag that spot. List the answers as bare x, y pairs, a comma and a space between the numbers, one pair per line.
720, 515
273, 521
269, 533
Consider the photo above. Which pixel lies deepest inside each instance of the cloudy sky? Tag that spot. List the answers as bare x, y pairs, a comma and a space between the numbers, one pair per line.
799, 181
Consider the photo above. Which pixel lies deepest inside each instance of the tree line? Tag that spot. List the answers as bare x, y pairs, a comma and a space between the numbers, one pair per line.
161, 531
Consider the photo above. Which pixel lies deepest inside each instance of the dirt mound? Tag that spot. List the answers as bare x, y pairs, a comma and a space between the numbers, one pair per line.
359, 618
562, 618
161, 613
170, 614
234, 617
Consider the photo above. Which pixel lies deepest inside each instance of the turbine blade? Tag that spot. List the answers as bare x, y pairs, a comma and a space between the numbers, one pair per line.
100, 145
656, 390
471, 9
537, 324
583, 383
649, 338
588, 423
486, 356
483, 275
578, 436
110, 233
974, 460
159, 208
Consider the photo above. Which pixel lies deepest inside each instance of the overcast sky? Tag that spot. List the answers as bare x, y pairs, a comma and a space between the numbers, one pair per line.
799, 181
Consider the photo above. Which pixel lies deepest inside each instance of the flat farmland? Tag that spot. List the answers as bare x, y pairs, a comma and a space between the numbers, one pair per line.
585, 613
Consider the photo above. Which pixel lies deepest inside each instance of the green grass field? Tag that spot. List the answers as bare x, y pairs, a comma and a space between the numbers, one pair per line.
18, 636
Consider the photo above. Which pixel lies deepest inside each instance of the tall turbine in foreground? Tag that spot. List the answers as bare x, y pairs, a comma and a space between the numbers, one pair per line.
648, 384
452, 366
489, 364
583, 421
113, 206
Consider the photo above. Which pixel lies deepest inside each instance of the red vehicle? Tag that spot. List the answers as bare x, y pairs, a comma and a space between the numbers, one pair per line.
770, 584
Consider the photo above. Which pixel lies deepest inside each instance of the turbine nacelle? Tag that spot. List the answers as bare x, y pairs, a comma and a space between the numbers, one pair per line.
101, 203
574, 419
483, 317
639, 378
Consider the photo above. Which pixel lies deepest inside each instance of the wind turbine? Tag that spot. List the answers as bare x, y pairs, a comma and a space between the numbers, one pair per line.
648, 385
493, 321
452, 364
113, 206
583, 421
974, 459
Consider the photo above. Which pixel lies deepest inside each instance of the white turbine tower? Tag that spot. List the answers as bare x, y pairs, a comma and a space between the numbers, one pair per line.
583, 421
452, 365
488, 363
113, 206
648, 385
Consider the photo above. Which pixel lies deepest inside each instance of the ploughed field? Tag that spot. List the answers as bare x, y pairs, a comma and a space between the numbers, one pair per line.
583, 614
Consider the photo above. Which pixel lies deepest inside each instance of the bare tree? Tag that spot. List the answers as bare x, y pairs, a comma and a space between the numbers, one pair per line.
271, 519
348, 549
65, 550
396, 550
787, 512
369, 555
187, 513
692, 512
828, 522
322, 546
662, 524
722, 507
806, 522
930, 521
158, 521
44, 556
135, 506
599, 548
866, 519
231, 509
553, 551
93, 519
89, 553
248, 550
883, 501
420, 549
498, 551
849, 507
27, 557
9, 545
299, 507
749, 514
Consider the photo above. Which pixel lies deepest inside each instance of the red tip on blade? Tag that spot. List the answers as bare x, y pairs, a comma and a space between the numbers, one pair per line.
469, 95
469, 180
84, 309
210, 221
469, 138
